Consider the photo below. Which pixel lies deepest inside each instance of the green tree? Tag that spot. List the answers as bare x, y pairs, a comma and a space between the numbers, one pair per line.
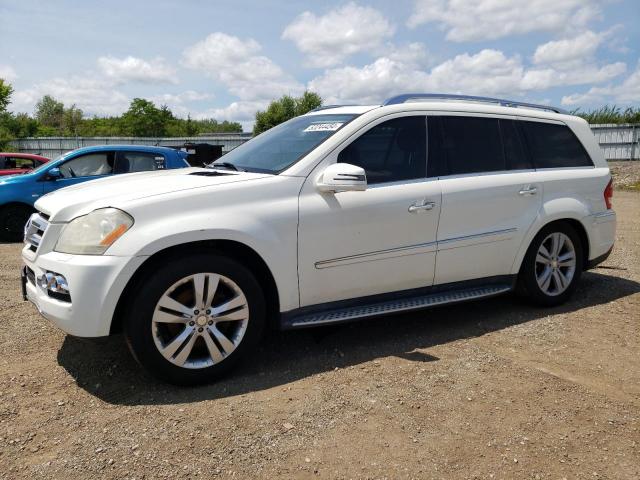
49, 112
285, 108
190, 127
144, 119
6, 90
19, 125
71, 120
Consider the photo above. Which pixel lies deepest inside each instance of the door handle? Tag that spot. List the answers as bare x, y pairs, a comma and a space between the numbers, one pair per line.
422, 207
528, 191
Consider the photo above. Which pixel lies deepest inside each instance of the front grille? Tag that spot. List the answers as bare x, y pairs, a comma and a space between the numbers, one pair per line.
34, 230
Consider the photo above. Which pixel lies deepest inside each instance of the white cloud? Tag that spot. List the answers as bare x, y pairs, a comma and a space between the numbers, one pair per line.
488, 72
134, 69
8, 73
626, 92
568, 49
541, 79
176, 102
242, 112
411, 54
369, 84
491, 19
93, 96
236, 64
328, 39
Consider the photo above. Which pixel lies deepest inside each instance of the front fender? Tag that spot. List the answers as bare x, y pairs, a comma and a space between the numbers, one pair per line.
273, 241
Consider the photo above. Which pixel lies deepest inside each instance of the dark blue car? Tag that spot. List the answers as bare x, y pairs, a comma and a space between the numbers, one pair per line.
18, 193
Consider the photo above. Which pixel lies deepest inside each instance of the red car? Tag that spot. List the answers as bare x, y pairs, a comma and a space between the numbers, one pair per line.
18, 163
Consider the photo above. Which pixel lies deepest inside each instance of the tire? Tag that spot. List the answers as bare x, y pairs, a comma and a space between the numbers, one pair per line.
12, 221
551, 281
201, 340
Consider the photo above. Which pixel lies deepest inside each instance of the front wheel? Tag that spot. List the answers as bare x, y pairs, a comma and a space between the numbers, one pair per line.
195, 318
552, 266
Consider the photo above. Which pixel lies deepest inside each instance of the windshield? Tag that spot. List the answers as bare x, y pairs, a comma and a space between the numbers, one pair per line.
280, 147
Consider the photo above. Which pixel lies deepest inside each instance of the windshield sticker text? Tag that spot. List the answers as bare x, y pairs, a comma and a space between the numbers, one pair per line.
324, 127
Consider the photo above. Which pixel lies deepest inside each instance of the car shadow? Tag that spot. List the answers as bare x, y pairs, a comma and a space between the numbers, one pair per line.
106, 369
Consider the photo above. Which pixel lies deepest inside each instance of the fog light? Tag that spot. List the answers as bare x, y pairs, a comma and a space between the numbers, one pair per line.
54, 282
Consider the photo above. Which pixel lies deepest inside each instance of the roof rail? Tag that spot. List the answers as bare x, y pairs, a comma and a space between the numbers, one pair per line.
469, 98
325, 107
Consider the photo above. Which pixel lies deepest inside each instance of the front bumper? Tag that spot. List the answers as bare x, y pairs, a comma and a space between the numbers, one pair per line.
95, 282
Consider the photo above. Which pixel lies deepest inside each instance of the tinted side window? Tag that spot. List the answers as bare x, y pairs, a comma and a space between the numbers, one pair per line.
554, 146
515, 155
391, 151
138, 162
472, 144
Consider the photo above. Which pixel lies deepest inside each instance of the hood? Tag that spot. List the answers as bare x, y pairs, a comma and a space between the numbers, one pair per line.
116, 191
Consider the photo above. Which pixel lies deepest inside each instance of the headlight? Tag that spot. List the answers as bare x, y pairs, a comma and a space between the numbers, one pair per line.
92, 234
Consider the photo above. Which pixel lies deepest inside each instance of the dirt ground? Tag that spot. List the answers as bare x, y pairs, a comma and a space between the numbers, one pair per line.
626, 175
493, 389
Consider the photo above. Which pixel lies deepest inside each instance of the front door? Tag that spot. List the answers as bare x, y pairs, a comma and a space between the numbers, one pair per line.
82, 168
383, 239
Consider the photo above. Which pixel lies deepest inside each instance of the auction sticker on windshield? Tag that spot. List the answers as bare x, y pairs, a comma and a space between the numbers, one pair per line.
323, 127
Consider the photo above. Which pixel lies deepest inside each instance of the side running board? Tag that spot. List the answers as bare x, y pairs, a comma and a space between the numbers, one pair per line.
339, 315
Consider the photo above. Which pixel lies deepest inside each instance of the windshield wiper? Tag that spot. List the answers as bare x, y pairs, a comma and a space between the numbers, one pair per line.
227, 165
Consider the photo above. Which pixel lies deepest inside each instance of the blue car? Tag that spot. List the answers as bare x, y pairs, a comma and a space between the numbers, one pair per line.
18, 193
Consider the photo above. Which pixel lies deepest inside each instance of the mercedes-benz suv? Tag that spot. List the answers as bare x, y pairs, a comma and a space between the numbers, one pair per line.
345, 213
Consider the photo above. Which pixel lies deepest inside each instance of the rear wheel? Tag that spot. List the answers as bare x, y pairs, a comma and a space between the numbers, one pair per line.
12, 221
195, 318
552, 265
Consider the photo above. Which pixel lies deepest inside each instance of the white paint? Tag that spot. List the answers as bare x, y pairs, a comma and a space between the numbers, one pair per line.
322, 246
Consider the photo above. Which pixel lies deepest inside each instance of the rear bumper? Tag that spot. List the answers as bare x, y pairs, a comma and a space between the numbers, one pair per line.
593, 263
601, 228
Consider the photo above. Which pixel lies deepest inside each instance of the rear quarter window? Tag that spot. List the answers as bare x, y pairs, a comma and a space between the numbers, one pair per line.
554, 146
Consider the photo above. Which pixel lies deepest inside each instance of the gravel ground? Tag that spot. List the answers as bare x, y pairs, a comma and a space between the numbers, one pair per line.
491, 389
626, 175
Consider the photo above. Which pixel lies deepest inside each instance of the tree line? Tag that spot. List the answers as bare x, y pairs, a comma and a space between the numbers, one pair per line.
144, 119
51, 118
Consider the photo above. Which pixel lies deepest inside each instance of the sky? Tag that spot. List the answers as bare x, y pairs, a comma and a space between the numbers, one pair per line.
225, 60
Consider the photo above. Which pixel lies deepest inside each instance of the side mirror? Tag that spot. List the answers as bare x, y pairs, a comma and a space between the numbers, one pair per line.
342, 177
54, 174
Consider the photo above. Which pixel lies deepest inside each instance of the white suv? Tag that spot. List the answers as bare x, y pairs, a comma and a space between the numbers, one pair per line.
344, 213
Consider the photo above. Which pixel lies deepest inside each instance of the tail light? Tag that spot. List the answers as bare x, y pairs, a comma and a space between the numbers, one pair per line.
608, 194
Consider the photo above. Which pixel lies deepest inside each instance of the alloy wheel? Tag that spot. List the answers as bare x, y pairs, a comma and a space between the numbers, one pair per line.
200, 320
555, 264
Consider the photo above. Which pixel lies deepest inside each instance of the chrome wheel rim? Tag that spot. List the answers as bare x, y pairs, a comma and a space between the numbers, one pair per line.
555, 264
200, 320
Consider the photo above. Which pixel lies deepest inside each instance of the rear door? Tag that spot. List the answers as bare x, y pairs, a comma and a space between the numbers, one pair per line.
489, 195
